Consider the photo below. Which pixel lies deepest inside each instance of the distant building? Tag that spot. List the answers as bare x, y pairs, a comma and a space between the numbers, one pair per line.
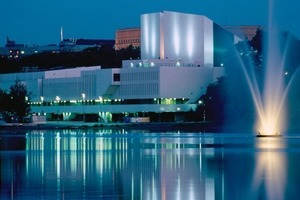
76, 45
132, 36
244, 32
12, 44
14, 50
126, 37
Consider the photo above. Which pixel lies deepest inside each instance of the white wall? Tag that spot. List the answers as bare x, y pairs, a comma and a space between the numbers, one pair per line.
139, 83
150, 35
208, 42
183, 35
177, 36
184, 82
104, 79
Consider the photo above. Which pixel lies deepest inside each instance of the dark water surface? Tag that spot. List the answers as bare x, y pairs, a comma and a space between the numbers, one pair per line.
110, 164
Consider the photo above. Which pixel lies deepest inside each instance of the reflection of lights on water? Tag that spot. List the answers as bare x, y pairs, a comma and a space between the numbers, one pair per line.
266, 143
210, 188
71, 154
270, 170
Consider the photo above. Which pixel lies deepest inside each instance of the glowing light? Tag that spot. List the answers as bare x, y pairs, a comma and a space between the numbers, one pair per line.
190, 38
153, 39
270, 170
145, 33
176, 37
271, 98
269, 127
208, 43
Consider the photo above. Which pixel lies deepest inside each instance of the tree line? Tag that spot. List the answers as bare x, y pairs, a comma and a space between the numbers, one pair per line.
106, 56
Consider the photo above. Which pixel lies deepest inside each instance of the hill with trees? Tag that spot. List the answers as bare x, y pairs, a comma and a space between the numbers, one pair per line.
105, 56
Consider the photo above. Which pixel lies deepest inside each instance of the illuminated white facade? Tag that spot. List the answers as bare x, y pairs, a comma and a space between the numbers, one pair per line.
182, 37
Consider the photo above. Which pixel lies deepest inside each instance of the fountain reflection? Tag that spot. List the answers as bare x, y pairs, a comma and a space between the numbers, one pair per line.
270, 173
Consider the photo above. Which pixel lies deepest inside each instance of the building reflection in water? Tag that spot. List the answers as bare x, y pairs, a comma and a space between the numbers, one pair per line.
108, 164
111, 164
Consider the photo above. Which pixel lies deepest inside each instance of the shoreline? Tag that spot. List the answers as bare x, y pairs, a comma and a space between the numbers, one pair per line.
152, 126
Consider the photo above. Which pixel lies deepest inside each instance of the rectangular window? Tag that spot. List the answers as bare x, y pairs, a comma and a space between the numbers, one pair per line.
116, 77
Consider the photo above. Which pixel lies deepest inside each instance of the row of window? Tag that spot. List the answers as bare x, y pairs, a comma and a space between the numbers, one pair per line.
140, 76
167, 101
62, 88
141, 89
128, 41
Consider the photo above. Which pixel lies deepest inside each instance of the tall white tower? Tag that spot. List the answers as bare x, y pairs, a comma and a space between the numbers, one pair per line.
61, 34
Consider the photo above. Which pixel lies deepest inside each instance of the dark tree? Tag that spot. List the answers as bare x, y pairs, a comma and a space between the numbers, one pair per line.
4, 100
106, 56
212, 106
8, 65
19, 99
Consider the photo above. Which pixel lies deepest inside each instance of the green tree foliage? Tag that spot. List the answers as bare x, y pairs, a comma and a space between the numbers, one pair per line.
15, 103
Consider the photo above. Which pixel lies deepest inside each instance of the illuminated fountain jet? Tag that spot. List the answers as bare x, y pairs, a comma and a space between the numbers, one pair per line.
270, 96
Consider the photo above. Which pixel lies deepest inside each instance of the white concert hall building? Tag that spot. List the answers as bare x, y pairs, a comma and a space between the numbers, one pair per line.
181, 54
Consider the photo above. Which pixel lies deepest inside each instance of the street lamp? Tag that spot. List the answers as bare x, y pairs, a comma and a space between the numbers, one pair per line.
42, 101
100, 114
57, 100
83, 98
203, 104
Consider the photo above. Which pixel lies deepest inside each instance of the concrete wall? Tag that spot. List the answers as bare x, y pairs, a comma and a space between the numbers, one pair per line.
151, 35
184, 82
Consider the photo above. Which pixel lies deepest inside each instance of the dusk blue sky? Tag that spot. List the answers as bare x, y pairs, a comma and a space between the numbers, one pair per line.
39, 21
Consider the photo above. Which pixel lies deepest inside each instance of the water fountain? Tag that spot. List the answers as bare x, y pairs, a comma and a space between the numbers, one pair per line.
269, 96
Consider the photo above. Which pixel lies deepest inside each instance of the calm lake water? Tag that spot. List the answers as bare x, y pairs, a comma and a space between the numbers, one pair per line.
117, 164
